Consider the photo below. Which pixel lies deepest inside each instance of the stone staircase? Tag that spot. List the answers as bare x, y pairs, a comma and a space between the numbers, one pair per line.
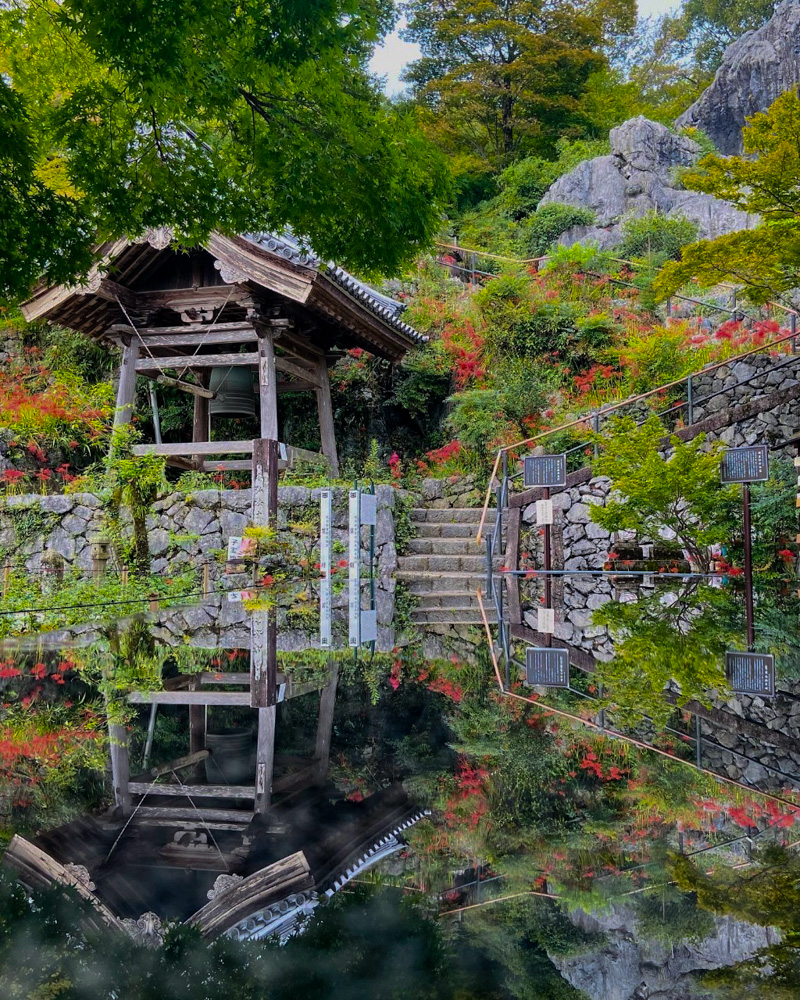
443, 566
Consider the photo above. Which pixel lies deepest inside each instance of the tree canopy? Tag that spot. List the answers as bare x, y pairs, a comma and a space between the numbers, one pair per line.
215, 115
505, 78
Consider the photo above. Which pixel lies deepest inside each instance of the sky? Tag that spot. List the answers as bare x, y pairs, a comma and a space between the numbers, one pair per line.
392, 56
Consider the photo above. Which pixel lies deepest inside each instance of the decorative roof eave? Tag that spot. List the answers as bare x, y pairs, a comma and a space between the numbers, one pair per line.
276, 263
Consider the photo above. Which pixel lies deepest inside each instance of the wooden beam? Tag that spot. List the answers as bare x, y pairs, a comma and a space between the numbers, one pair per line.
199, 791
263, 659
126, 389
230, 698
112, 292
191, 338
327, 704
120, 766
290, 368
188, 760
200, 417
197, 361
239, 816
234, 465
194, 330
176, 383
264, 504
268, 388
197, 726
199, 447
265, 760
325, 408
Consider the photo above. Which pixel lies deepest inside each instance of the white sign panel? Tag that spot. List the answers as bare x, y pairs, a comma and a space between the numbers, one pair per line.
354, 564
325, 565
546, 620
544, 511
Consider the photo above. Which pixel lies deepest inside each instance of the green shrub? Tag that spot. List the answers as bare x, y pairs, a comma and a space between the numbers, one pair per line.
545, 226
655, 235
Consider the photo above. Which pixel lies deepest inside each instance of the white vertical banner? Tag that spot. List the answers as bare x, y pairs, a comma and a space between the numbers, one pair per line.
325, 567
354, 562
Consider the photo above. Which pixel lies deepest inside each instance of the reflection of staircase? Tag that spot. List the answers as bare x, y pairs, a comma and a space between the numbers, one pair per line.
443, 567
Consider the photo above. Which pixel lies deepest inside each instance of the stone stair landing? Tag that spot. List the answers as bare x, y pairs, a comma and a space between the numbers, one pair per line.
443, 566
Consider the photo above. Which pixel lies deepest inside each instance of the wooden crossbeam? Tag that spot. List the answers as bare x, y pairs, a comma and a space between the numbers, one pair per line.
291, 368
194, 337
239, 816
196, 448
195, 791
197, 361
191, 329
229, 698
233, 677
188, 760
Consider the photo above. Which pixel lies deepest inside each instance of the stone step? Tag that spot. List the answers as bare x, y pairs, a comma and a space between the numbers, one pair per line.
434, 600
445, 547
443, 583
454, 616
452, 515
443, 564
464, 530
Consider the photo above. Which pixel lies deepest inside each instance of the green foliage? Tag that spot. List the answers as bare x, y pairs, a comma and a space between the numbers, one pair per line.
477, 419
655, 237
423, 381
503, 79
544, 227
671, 917
764, 181
232, 113
678, 497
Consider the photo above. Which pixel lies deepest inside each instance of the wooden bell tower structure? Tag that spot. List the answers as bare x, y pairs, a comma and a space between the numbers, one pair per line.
257, 302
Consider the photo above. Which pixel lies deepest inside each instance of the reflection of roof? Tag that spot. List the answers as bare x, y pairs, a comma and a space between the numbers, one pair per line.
288, 247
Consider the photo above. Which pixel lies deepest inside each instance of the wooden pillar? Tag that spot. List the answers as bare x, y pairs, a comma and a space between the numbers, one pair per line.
327, 703
120, 767
265, 759
197, 728
268, 386
264, 505
200, 422
263, 659
126, 390
325, 407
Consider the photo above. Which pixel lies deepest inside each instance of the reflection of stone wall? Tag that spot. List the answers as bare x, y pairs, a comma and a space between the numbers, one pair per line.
186, 529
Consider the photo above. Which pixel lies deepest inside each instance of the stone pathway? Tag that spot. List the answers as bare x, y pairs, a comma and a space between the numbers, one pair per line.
444, 567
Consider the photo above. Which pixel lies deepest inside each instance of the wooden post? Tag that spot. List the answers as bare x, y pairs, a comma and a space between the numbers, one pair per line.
268, 386
327, 703
200, 422
263, 659
265, 759
126, 390
264, 508
120, 766
197, 728
325, 407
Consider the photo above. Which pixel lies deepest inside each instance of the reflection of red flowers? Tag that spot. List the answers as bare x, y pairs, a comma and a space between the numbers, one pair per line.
787, 555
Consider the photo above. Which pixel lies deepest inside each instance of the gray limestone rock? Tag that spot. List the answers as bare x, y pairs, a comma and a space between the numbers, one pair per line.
755, 70
638, 177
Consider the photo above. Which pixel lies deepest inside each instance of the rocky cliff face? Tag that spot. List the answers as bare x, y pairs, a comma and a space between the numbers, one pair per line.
755, 70
626, 967
637, 177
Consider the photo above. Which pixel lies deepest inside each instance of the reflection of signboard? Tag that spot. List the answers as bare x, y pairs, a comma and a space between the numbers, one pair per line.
238, 596
545, 470
745, 465
546, 620
241, 548
751, 673
354, 565
546, 667
325, 560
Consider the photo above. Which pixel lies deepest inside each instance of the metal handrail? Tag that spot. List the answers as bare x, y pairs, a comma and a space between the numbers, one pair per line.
605, 410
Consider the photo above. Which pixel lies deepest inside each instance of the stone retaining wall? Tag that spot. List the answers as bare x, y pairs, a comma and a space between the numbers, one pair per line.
188, 529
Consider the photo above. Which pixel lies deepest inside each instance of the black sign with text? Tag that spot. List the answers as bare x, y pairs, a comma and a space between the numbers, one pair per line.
745, 465
751, 673
547, 667
545, 470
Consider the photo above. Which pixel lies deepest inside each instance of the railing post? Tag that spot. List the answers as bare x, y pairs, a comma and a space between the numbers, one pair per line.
597, 431
668, 307
793, 328
733, 304
698, 743
690, 401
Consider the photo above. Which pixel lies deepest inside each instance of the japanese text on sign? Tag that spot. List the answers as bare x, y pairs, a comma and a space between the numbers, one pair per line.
547, 667
545, 470
745, 465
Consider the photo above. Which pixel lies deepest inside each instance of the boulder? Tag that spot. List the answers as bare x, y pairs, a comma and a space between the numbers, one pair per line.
638, 177
756, 69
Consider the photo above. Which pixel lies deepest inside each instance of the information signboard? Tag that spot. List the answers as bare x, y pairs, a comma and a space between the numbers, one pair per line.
745, 465
751, 673
354, 565
547, 667
545, 470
